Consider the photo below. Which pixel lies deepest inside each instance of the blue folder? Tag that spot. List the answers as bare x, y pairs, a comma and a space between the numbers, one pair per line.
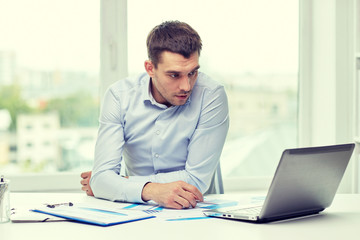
95, 216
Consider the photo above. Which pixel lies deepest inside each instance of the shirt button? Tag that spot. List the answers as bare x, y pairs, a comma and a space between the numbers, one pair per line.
157, 132
156, 155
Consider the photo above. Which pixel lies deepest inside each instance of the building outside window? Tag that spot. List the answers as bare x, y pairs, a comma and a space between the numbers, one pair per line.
49, 85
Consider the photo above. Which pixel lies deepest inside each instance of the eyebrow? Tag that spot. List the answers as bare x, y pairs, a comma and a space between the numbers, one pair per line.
177, 72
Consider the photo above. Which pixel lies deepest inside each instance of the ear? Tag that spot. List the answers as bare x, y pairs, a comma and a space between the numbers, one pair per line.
149, 68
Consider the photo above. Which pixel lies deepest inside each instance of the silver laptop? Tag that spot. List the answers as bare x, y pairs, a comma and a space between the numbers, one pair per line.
305, 183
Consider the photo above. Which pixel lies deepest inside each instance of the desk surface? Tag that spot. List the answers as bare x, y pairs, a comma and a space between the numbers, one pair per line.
340, 220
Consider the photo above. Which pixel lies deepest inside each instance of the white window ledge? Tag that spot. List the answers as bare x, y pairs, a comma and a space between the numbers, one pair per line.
41, 182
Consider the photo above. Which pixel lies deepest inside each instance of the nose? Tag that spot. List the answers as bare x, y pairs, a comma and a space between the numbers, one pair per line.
185, 84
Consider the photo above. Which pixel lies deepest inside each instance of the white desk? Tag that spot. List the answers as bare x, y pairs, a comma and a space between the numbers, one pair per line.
340, 221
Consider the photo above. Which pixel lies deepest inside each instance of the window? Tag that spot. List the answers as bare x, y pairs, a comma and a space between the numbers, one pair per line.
50, 49
49, 85
252, 48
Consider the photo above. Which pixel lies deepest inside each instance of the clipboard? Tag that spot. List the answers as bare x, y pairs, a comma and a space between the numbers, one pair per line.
25, 215
96, 216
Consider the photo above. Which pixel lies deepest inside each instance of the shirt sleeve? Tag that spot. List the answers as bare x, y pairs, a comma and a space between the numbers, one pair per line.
205, 145
106, 181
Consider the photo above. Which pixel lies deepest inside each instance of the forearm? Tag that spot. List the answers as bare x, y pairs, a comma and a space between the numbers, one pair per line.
169, 177
110, 185
200, 180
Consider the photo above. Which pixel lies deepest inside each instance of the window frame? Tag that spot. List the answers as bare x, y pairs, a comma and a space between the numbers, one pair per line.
327, 96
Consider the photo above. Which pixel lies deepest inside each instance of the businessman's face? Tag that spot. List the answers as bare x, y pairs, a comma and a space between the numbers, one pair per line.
174, 77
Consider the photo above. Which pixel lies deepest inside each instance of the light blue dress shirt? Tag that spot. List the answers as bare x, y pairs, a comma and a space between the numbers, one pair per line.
158, 143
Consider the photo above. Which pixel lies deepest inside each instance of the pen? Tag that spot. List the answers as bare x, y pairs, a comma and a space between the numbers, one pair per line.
59, 204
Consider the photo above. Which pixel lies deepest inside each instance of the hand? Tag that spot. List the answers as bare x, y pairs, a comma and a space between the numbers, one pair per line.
85, 183
176, 195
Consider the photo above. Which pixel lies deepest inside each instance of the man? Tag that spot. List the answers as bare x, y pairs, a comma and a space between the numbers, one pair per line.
168, 125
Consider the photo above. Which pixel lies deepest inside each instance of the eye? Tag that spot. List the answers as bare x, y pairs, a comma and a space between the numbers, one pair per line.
193, 73
174, 75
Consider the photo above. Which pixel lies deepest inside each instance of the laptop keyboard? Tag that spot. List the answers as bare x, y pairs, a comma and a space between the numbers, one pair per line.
248, 211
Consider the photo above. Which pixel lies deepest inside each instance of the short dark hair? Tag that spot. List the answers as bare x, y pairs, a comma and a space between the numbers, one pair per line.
174, 36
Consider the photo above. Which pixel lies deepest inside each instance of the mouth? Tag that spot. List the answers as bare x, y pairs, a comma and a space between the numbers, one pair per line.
182, 96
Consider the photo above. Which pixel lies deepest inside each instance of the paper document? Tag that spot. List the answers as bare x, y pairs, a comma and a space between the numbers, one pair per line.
98, 216
107, 213
166, 214
24, 215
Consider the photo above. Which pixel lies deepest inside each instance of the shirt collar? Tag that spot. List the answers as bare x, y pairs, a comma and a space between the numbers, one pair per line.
146, 93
